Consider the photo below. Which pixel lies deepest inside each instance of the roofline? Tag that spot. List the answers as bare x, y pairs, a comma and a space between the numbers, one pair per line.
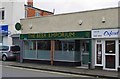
37, 8
72, 13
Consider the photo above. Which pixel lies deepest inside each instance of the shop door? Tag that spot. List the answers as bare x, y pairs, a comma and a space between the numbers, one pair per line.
84, 53
110, 55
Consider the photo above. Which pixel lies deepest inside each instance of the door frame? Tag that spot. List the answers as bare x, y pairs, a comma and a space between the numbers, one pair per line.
99, 41
81, 42
116, 55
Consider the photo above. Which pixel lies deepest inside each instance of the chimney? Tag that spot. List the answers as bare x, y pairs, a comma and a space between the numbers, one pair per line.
30, 2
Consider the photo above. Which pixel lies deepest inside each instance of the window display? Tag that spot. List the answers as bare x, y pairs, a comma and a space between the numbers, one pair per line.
99, 54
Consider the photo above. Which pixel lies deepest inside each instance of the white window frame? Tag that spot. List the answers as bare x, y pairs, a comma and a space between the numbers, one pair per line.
96, 53
116, 55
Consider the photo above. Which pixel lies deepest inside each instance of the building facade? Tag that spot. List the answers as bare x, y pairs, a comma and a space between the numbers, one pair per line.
9, 15
31, 11
107, 48
70, 39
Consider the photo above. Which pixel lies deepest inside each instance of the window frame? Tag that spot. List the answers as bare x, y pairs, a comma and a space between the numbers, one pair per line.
102, 52
2, 14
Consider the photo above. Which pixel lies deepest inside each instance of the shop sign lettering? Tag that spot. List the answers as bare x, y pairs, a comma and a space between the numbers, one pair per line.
111, 33
107, 33
57, 35
52, 35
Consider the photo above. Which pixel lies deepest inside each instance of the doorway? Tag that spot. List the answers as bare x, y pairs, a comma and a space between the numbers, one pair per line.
84, 47
110, 55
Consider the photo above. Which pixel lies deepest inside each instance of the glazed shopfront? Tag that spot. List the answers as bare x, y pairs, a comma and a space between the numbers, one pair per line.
70, 48
107, 48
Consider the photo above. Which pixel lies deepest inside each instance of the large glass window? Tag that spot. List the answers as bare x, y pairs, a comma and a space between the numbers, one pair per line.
110, 47
65, 45
58, 45
43, 45
32, 45
29, 49
68, 46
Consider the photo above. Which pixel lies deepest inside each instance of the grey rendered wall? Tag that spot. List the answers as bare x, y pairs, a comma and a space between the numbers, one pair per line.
69, 22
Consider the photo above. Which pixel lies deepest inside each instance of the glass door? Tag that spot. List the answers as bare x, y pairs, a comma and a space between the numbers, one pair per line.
110, 55
84, 52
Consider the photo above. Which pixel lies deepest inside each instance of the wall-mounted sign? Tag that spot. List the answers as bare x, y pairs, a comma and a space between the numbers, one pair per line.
4, 30
18, 26
106, 33
57, 35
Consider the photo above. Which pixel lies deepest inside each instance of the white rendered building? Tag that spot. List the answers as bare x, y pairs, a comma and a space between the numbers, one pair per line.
11, 12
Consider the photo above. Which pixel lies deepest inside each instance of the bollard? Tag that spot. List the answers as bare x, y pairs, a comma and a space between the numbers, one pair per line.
118, 72
89, 65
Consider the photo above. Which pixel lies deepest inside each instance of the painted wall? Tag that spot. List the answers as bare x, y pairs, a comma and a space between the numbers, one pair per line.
70, 22
14, 11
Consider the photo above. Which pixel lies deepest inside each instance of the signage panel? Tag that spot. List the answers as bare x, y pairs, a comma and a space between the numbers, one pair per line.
57, 35
4, 30
106, 33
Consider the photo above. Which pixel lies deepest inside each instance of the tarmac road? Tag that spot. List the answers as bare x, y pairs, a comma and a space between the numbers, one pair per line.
9, 71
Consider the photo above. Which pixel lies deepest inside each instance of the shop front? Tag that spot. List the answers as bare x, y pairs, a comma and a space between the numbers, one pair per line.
68, 48
107, 48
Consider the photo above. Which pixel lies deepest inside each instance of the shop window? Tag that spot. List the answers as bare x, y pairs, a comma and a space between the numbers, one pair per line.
65, 45
32, 45
110, 47
58, 45
99, 54
71, 46
43, 45
68, 46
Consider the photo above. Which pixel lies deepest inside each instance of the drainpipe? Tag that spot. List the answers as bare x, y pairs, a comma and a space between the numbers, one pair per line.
21, 51
52, 52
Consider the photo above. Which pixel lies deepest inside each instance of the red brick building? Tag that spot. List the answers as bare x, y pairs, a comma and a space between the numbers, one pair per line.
31, 11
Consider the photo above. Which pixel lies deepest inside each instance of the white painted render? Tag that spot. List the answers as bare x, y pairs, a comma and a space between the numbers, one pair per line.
14, 11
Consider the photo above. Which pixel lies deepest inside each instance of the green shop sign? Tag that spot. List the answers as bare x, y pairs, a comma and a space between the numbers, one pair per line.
57, 35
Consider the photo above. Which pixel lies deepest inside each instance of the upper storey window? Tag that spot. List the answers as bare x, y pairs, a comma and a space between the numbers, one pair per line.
2, 15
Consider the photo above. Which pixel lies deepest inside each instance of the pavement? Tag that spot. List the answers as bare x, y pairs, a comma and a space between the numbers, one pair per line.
66, 69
